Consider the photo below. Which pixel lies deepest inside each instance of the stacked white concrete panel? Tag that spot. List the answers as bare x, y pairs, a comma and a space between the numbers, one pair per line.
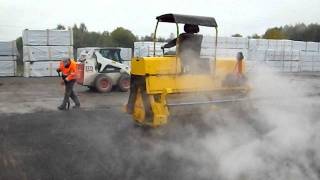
257, 50
43, 49
312, 46
47, 38
299, 45
207, 46
310, 57
311, 61
8, 58
46, 53
41, 68
8, 68
226, 47
281, 55
146, 49
126, 54
277, 54
285, 60
8, 48
259, 44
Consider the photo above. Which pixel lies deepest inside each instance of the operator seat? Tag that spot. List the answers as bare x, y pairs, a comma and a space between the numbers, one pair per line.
189, 47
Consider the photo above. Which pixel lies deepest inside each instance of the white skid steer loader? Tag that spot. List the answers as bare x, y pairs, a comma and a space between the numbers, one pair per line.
103, 68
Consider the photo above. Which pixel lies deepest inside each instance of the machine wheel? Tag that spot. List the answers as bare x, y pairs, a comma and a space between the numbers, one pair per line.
103, 84
124, 82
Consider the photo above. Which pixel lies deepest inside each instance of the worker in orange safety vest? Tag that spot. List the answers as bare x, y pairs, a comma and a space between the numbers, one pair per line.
68, 68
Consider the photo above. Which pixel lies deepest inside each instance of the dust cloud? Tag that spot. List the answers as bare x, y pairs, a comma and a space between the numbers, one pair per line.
273, 135
280, 140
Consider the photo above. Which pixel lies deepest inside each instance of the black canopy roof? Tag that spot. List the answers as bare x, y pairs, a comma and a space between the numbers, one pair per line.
187, 19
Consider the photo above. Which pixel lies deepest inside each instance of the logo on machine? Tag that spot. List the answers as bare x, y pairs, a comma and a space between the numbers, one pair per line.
89, 68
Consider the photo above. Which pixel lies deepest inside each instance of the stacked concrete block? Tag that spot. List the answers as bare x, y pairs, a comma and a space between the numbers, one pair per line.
8, 58
282, 55
43, 49
146, 49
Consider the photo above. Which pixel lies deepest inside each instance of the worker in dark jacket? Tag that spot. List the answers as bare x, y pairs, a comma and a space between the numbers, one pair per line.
68, 69
190, 30
188, 47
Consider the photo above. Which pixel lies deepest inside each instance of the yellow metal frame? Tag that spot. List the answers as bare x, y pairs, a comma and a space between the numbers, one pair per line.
163, 75
170, 65
159, 110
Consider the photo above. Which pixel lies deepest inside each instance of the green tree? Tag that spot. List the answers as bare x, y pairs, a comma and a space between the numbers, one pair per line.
60, 27
274, 33
77, 37
104, 39
254, 36
122, 37
19, 45
296, 32
161, 39
312, 33
236, 35
83, 27
147, 37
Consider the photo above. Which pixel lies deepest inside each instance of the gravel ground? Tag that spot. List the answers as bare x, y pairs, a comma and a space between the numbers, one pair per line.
99, 141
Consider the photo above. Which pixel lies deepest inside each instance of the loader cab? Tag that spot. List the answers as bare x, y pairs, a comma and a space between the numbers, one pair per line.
111, 53
108, 53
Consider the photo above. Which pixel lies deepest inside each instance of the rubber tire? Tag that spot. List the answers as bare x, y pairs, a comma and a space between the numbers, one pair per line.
123, 87
99, 84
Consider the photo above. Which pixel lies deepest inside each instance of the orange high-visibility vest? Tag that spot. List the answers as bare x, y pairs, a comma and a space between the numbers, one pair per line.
69, 72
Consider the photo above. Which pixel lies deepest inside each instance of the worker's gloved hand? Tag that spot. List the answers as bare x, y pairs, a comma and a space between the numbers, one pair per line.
162, 47
64, 80
58, 70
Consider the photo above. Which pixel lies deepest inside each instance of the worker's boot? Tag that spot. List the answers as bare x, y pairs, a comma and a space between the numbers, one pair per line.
76, 101
62, 107
77, 106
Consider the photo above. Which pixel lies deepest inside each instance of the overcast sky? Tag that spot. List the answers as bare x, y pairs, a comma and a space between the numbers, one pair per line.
233, 16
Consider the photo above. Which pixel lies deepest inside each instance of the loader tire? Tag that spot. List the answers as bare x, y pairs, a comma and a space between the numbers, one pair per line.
103, 84
124, 82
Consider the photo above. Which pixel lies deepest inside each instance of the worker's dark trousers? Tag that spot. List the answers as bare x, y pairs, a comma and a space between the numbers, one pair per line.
69, 93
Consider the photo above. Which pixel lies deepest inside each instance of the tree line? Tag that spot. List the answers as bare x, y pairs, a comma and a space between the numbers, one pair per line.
297, 32
121, 37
